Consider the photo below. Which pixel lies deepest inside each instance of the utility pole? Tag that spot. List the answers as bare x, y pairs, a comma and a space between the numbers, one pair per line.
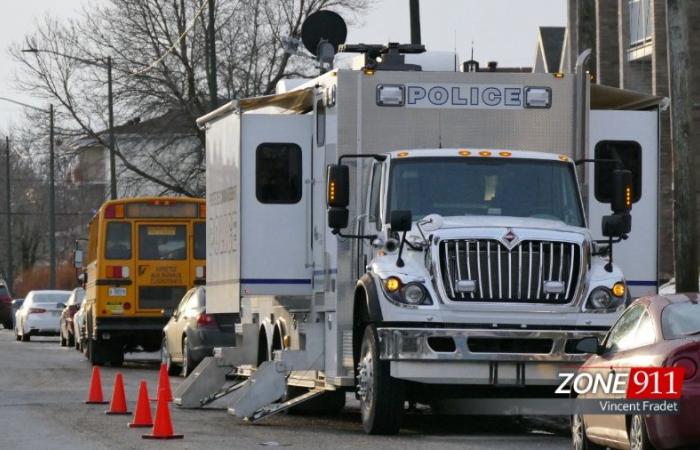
52, 203
8, 207
684, 207
112, 159
211, 38
415, 21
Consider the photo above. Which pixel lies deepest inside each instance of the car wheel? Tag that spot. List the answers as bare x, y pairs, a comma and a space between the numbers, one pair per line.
64, 341
25, 337
7, 325
166, 359
95, 352
381, 397
579, 439
639, 439
71, 340
187, 363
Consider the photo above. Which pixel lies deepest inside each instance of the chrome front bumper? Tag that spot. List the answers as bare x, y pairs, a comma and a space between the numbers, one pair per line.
526, 357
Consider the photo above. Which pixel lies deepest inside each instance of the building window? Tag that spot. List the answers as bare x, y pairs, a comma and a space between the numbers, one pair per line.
278, 173
640, 22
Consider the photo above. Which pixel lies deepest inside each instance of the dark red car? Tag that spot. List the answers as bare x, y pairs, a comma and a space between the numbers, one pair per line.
5, 307
659, 331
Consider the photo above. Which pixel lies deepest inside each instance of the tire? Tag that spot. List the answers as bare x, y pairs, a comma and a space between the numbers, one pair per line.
26, 338
116, 357
7, 325
579, 439
70, 341
381, 396
166, 359
638, 437
95, 353
187, 363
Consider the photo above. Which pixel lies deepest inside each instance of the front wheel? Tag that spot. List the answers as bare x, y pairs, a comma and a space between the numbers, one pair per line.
64, 341
187, 363
381, 396
7, 325
579, 439
166, 359
639, 439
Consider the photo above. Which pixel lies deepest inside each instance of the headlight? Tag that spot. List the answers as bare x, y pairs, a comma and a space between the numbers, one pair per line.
602, 299
413, 293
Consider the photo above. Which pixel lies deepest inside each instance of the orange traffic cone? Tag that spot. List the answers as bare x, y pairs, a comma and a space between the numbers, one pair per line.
142, 415
118, 403
95, 392
163, 427
164, 385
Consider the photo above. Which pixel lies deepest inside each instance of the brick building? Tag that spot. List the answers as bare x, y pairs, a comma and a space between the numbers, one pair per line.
628, 39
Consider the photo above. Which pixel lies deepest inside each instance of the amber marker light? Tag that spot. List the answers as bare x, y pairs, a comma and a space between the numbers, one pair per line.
618, 289
402, 154
484, 153
628, 197
563, 157
392, 284
464, 153
505, 154
558, 75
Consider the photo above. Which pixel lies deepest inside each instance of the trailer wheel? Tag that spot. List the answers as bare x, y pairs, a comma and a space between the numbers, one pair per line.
381, 396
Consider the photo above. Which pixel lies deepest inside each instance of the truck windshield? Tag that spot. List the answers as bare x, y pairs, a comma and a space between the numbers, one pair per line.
485, 187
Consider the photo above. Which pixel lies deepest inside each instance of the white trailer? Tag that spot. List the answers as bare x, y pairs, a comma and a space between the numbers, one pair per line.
419, 235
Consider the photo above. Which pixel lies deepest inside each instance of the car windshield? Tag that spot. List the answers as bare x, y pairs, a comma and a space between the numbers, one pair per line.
680, 320
50, 299
485, 187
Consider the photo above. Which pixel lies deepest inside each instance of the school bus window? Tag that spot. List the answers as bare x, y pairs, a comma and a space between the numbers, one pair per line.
200, 239
118, 245
157, 242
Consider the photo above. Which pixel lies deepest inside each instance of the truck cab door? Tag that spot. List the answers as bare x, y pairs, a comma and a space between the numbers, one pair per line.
633, 137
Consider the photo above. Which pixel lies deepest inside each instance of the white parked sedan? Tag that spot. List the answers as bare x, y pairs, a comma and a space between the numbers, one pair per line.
40, 314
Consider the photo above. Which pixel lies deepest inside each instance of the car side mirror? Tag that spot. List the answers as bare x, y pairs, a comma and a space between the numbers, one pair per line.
589, 345
60, 305
338, 195
401, 220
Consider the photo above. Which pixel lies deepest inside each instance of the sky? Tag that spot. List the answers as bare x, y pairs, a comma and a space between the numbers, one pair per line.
502, 30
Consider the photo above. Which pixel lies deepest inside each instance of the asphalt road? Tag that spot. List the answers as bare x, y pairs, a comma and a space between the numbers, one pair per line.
43, 386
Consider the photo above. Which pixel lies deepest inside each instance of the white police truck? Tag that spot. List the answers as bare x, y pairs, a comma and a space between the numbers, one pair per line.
415, 234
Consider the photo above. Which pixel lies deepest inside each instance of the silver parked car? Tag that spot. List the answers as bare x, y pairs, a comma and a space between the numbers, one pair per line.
191, 334
40, 314
79, 325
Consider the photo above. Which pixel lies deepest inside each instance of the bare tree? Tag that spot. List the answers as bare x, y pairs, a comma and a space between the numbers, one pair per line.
159, 52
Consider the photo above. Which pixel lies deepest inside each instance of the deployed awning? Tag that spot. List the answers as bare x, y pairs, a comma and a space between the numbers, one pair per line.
294, 102
608, 97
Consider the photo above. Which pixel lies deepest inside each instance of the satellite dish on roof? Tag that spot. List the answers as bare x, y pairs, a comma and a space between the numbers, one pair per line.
323, 25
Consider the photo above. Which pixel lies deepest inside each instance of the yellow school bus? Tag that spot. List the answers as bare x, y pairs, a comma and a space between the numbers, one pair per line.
143, 255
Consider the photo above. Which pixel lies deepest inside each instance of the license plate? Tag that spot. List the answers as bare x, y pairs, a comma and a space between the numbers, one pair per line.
117, 292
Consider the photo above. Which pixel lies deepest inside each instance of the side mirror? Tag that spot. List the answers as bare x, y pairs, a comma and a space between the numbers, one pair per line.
401, 220
616, 225
622, 195
338, 218
60, 305
78, 259
589, 345
338, 183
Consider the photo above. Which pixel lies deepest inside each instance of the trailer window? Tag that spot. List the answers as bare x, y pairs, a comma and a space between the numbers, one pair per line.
630, 154
320, 123
278, 173
118, 245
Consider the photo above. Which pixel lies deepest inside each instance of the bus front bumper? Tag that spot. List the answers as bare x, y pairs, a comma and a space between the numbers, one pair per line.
516, 357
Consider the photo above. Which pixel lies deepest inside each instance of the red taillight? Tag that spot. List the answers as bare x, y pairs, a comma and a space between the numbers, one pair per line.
5, 299
117, 271
36, 310
689, 366
205, 321
110, 212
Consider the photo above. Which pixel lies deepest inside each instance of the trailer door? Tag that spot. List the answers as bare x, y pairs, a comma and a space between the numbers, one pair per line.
633, 137
275, 204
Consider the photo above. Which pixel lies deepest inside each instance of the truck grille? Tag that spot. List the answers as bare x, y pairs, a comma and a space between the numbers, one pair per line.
493, 272
160, 297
